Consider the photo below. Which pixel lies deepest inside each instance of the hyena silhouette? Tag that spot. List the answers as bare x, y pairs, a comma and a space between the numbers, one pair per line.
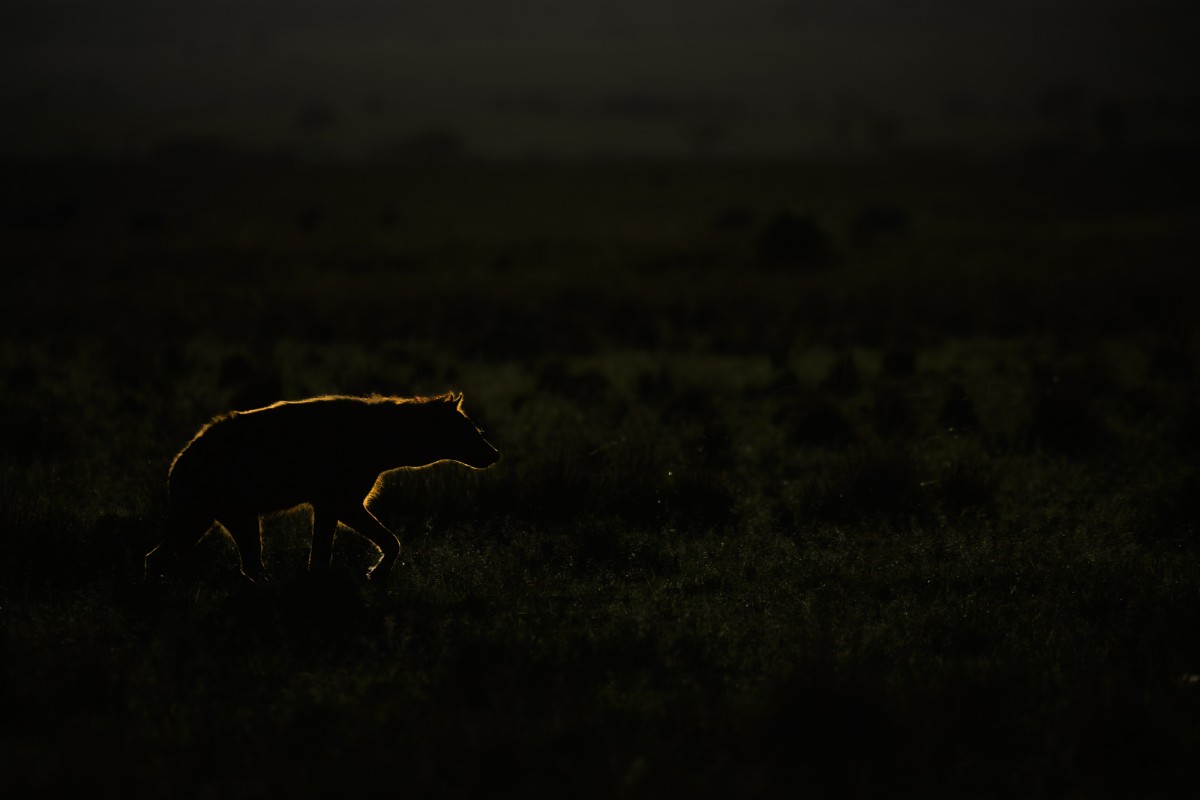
328, 452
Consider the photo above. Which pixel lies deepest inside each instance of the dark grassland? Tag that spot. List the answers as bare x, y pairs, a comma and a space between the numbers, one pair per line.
896, 493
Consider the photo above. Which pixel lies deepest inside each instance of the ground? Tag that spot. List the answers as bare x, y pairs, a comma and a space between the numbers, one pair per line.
838, 478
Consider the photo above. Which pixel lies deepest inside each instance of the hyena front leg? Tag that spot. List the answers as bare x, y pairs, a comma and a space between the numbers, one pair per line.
363, 521
324, 525
246, 530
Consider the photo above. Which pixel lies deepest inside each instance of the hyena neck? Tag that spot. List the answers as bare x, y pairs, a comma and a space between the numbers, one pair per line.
411, 438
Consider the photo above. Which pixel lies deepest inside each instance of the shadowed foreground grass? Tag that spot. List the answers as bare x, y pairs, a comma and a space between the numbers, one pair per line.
815, 480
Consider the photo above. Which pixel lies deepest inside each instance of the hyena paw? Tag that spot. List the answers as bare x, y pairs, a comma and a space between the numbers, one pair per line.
258, 576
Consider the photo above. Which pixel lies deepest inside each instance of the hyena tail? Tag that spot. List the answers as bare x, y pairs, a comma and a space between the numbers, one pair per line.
185, 527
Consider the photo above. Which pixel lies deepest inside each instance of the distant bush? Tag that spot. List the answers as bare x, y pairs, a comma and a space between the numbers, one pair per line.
899, 362
791, 240
892, 413
843, 378
958, 410
809, 418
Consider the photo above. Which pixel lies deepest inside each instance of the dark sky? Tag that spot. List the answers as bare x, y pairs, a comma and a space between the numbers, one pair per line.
556, 77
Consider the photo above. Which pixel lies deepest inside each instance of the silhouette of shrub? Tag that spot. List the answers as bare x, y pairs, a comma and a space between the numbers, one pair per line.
958, 411
892, 413
843, 378
794, 240
898, 363
812, 419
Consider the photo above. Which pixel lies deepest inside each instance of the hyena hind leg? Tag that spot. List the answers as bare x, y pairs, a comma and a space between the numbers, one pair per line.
246, 530
324, 526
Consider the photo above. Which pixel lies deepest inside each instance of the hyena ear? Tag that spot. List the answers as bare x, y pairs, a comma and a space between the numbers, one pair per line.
457, 399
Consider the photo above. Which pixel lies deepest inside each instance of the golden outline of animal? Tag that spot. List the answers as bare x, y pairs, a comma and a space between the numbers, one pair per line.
328, 452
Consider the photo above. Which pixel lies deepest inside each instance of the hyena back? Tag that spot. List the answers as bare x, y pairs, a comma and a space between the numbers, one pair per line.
328, 452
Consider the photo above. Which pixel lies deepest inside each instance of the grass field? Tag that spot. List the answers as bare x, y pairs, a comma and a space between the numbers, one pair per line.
820, 479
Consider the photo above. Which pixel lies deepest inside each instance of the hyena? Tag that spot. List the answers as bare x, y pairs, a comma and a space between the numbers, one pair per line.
328, 452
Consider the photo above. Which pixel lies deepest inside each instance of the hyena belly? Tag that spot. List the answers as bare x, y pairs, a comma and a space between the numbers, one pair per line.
235, 480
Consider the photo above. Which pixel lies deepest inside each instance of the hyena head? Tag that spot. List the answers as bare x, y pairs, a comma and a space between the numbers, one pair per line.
458, 438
